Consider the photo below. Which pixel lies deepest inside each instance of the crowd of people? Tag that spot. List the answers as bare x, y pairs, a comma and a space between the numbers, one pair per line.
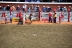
35, 8
32, 8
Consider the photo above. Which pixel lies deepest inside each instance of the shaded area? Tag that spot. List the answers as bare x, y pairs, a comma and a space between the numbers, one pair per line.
36, 36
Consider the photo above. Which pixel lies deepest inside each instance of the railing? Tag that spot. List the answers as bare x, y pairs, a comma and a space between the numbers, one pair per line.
43, 15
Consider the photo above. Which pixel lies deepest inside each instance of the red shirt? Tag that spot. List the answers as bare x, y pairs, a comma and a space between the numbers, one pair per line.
20, 16
50, 15
17, 15
3, 15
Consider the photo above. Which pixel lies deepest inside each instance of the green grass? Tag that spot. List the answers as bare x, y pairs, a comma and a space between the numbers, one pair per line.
36, 36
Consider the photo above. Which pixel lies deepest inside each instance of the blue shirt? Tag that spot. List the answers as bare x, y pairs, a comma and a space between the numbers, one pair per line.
44, 8
11, 16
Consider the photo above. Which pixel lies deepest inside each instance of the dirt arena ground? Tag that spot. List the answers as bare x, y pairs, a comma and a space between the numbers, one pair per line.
37, 22
36, 35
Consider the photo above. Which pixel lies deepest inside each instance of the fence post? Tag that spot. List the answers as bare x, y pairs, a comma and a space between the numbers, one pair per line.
40, 16
68, 16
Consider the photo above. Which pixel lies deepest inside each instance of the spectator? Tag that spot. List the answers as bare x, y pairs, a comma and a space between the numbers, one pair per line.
38, 8
61, 9
32, 8
0, 8
13, 8
65, 9
29, 9
70, 8
35, 8
4, 8
8, 8
44, 9
5, 16
47, 9
58, 9
18, 8
50, 9
23, 8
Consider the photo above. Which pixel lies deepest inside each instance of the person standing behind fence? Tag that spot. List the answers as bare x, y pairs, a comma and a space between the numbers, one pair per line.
18, 8
14, 8
35, 8
4, 8
20, 18
11, 15
44, 9
4, 15
50, 17
55, 16
25, 8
